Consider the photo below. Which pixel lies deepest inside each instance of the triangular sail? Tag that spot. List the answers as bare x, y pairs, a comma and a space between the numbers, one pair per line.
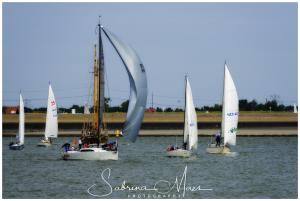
138, 85
295, 108
230, 109
191, 118
51, 118
20, 137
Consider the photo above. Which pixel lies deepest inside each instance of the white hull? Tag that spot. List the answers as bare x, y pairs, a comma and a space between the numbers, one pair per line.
44, 144
212, 149
16, 146
91, 154
179, 153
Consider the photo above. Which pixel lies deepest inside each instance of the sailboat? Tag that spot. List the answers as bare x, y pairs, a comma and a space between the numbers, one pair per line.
94, 138
190, 133
19, 144
295, 108
51, 130
230, 113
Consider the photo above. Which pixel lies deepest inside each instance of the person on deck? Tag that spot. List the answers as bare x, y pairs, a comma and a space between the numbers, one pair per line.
184, 145
79, 143
218, 139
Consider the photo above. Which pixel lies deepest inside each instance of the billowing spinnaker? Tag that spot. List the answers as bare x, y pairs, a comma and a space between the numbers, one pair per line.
191, 118
230, 109
20, 137
51, 118
138, 85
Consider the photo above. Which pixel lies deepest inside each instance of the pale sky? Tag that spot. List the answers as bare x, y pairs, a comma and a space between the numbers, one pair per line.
53, 42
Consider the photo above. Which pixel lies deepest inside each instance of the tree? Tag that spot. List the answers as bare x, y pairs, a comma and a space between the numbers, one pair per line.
158, 109
198, 109
178, 110
27, 110
124, 106
168, 109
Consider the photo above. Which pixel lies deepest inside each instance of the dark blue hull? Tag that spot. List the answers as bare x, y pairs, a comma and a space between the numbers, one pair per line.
16, 147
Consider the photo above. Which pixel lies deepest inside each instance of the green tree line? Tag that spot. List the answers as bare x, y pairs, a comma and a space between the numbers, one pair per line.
244, 105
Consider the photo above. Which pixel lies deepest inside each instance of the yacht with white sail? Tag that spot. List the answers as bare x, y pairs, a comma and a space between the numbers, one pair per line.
19, 144
94, 139
190, 133
230, 113
51, 129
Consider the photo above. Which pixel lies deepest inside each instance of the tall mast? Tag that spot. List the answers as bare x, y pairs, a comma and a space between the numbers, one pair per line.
185, 83
101, 82
95, 97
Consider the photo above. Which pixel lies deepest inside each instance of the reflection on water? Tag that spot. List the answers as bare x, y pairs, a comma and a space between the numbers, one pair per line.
258, 167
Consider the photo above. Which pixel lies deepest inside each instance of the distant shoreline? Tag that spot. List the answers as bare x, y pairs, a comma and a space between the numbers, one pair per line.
161, 123
264, 132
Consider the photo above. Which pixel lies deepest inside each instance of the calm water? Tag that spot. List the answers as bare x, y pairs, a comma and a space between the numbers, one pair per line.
259, 167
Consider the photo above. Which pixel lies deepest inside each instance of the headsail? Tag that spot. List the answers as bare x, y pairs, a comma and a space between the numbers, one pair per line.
20, 137
138, 85
51, 118
230, 109
190, 126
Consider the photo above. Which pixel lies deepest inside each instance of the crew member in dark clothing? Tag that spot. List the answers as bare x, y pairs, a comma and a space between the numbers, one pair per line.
184, 145
218, 139
66, 146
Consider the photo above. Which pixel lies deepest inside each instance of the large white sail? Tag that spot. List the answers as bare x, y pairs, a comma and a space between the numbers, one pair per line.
51, 118
138, 85
191, 118
230, 109
20, 137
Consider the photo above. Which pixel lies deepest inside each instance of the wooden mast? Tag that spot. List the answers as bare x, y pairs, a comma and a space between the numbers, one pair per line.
95, 91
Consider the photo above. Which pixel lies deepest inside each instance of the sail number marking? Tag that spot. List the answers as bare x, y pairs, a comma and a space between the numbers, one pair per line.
232, 114
52, 103
142, 68
232, 130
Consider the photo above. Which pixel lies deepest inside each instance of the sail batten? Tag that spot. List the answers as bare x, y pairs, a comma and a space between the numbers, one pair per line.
230, 109
138, 85
51, 117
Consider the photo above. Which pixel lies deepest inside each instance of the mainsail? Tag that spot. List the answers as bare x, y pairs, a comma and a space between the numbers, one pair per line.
51, 118
190, 121
230, 109
138, 85
20, 137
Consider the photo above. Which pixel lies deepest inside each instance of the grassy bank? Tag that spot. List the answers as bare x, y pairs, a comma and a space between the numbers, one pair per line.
159, 117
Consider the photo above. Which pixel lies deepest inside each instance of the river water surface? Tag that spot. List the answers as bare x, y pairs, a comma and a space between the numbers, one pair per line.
258, 167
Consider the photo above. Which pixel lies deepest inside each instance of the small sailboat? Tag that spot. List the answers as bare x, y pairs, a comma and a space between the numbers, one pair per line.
94, 138
295, 108
230, 115
190, 133
19, 144
51, 130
